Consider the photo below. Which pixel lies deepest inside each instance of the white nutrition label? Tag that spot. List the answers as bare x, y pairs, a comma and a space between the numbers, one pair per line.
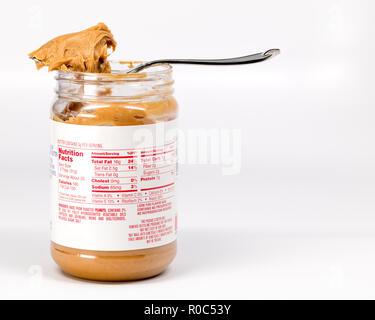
113, 187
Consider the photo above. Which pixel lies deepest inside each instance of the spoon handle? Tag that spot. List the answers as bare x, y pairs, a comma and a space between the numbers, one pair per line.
253, 58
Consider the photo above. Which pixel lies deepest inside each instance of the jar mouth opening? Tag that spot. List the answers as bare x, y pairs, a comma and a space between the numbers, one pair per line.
118, 85
118, 72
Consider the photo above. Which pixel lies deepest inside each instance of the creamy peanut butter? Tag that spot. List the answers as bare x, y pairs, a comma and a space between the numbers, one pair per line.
84, 51
118, 113
114, 265
87, 51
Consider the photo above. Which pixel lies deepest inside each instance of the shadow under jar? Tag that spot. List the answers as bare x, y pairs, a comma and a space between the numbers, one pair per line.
113, 171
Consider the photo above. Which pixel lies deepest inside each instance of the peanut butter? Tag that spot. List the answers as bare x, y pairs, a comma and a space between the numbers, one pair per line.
87, 51
84, 51
118, 113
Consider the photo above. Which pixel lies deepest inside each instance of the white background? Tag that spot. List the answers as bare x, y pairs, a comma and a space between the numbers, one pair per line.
297, 222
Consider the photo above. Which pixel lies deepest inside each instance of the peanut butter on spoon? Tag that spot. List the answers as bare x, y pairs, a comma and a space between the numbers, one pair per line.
84, 51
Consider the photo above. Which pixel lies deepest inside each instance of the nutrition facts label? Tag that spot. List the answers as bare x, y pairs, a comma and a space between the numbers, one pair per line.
113, 188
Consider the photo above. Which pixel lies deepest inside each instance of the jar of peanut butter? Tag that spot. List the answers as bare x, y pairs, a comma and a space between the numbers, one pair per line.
113, 173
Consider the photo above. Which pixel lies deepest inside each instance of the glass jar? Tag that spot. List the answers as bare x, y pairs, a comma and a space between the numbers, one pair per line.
113, 173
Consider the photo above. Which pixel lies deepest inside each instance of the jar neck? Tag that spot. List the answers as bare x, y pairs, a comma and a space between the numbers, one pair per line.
155, 84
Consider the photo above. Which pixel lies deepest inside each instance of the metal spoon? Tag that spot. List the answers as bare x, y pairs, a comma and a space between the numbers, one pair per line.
36, 60
253, 58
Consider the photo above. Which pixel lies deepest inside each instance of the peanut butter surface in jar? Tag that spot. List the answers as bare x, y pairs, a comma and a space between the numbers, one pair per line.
113, 173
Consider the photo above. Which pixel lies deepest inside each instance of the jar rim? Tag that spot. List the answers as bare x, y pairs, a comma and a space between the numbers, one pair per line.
117, 85
118, 72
